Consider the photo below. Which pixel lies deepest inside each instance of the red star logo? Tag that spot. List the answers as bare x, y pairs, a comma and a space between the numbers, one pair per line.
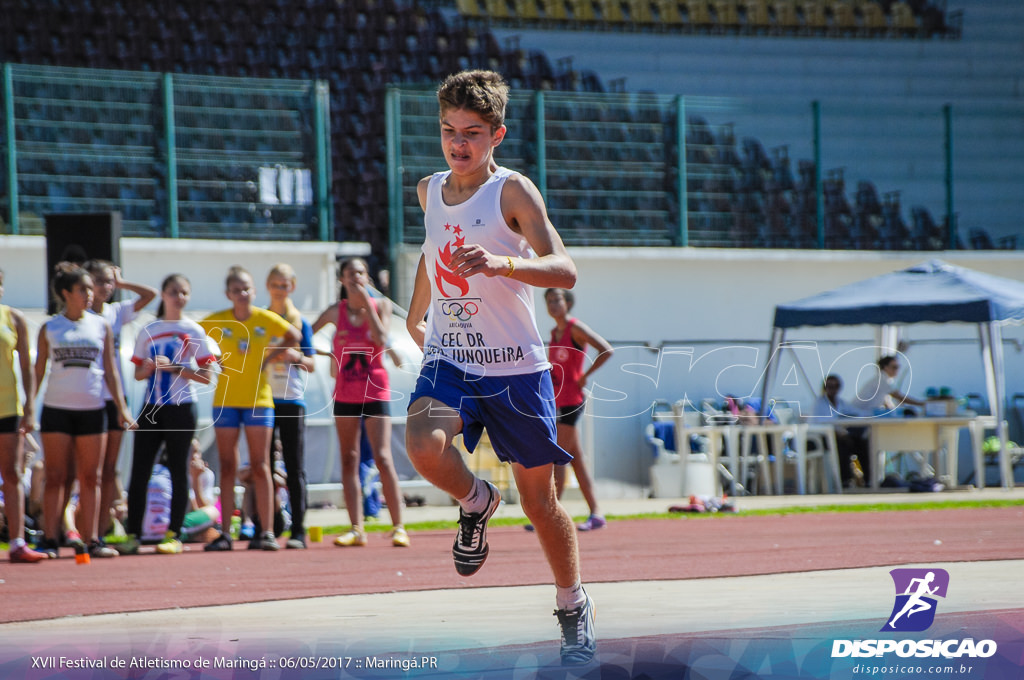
457, 231
447, 227
459, 242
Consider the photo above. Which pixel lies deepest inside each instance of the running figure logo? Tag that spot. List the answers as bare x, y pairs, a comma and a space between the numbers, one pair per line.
916, 590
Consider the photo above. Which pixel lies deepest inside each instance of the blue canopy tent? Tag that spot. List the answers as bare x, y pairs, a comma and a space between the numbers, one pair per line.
933, 292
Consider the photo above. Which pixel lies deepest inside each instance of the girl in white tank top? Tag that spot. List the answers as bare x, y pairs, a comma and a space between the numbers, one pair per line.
78, 347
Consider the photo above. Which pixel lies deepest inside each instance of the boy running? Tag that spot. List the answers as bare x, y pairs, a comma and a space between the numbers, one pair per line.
488, 241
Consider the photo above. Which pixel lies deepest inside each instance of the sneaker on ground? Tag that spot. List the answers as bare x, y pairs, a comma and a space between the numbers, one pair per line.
255, 543
98, 548
470, 548
400, 537
296, 543
579, 638
49, 547
129, 546
350, 538
268, 542
73, 539
170, 545
222, 542
593, 523
26, 555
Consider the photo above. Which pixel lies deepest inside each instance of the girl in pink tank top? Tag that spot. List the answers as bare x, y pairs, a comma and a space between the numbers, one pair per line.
362, 376
362, 395
567, 352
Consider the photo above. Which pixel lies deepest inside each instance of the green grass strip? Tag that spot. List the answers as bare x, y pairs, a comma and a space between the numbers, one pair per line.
767, 512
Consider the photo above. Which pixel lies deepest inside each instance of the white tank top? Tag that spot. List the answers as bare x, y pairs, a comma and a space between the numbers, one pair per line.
75, 379
486, 326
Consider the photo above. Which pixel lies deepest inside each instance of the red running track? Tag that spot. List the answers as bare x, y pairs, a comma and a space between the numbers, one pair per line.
683, 548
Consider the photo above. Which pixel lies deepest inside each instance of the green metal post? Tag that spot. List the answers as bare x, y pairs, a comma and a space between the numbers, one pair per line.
947, 114
819, 190
393, 138
542, 160
12, 149
684, 216
172, 157
321, 102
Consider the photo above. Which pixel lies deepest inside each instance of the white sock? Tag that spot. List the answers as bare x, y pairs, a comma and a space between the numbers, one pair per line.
572, 597
477, 498
17, 544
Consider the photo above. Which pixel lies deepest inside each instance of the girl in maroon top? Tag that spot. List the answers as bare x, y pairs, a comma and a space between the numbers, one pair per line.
567, 352
362, 393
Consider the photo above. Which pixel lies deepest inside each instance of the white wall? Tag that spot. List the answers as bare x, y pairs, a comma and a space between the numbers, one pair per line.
204, 262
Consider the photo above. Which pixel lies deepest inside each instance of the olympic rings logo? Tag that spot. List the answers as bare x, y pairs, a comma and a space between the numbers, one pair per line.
460, 311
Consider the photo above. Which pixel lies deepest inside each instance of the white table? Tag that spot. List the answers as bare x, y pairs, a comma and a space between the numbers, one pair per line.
929, 434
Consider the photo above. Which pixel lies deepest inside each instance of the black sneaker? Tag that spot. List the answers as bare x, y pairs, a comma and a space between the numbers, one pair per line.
49, 546
579, 638
98, 549
268, 542
221, 543
296, 543
470, 548
255, 543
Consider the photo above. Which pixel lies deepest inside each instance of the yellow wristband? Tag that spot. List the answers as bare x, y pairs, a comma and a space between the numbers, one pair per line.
511, 266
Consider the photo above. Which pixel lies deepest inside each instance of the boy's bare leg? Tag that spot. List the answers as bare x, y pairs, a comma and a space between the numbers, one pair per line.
429, 431
553, 523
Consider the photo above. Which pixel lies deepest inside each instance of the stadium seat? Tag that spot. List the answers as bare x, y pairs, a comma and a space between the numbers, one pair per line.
554, 10
841, 19
640, 12
469, 8
527, 10
698, 15
727, 16
668, 12
872, 18
583, 10
902, 21
755, 14
785, 19
815, 22
498, 9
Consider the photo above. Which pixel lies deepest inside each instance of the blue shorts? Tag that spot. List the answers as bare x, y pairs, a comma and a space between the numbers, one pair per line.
227, 416
517, 410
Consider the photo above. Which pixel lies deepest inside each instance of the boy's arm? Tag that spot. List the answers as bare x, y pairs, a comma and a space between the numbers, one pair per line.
524, 211
415, 322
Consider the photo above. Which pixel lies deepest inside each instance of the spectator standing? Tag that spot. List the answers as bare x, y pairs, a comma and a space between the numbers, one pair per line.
567, 354
17, 419
106, 280
362, 392
171, 354
243, 398
79, 348
288, 378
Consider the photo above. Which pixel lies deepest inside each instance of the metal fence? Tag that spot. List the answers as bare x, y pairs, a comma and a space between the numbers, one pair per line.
177, 155
640, 169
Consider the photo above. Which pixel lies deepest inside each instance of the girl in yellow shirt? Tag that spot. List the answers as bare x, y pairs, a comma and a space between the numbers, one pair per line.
243, 397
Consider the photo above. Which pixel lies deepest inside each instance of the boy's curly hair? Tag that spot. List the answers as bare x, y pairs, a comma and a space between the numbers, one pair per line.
483, 92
